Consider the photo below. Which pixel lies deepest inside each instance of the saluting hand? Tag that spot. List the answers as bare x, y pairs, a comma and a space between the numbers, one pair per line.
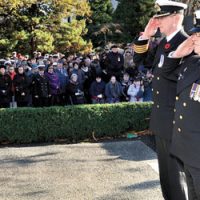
150, 28
184, 49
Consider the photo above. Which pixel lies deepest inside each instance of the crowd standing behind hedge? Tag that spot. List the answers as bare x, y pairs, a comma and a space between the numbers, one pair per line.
55, 79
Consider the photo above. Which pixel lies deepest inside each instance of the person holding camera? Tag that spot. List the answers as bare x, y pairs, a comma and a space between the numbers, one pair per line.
136, 90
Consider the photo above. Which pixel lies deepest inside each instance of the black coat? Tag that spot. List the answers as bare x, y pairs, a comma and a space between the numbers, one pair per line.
186, 132
164, 88
75, 93
115, 63
97, 88
40, 86
22, 84
5, 89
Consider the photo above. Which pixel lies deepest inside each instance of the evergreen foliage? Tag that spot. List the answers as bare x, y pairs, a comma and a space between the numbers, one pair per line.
133, 15
29, 25
72, 123
100, 19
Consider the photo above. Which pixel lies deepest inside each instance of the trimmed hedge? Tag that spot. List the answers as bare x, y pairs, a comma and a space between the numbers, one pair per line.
73, 123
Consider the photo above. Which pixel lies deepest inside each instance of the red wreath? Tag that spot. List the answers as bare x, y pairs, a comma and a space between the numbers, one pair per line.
167, 46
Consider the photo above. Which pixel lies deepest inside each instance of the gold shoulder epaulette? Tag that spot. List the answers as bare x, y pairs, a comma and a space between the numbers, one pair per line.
140, 48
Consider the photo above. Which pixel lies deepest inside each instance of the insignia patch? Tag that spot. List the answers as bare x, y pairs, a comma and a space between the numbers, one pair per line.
180, 77
162, 59
185, 69
195, 92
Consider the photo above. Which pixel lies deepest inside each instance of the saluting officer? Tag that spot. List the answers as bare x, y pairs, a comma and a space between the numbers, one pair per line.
5, 88
186, 132
169, 20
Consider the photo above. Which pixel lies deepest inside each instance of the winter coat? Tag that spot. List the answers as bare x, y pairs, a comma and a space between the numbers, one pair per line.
135, 93
5, 89
54, 83
22, 84
40, 86
97, 89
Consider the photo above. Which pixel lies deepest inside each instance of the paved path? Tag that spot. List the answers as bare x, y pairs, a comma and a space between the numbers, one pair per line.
102, 171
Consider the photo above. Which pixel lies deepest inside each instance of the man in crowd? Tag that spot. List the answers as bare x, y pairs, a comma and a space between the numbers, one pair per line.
5, 88
115, 62
169, 19
40, 88
97, 90
113, 91
64, 79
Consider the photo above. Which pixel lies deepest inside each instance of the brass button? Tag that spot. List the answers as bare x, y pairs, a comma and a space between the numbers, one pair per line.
184, 104
177, 98
157, 92
179, 130
174, 122
181, 117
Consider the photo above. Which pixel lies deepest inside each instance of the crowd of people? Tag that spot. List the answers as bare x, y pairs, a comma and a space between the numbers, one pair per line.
55, 79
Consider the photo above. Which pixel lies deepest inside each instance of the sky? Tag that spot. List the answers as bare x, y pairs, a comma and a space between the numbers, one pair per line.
114, 2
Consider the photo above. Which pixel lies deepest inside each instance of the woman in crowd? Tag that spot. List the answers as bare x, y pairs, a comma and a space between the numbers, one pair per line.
54, 84
74, 91
22, 84
136, 90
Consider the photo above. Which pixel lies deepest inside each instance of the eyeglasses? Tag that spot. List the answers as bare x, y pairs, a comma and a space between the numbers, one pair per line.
197, 34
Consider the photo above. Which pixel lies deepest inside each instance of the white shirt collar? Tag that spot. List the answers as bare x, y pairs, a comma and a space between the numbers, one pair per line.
169, 37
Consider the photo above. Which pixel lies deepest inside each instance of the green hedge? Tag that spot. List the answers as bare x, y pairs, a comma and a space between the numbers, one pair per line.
73, 123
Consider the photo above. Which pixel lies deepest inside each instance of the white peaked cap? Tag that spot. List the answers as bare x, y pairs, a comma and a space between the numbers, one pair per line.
171, 3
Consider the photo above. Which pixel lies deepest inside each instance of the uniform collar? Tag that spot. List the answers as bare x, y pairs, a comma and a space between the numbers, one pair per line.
169, 37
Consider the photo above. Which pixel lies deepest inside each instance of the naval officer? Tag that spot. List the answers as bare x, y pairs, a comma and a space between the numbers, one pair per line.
186, 132
169, 18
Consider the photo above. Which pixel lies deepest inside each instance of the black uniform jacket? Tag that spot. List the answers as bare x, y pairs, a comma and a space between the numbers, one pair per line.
40, 86
186, 132
5, 88
164, 87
